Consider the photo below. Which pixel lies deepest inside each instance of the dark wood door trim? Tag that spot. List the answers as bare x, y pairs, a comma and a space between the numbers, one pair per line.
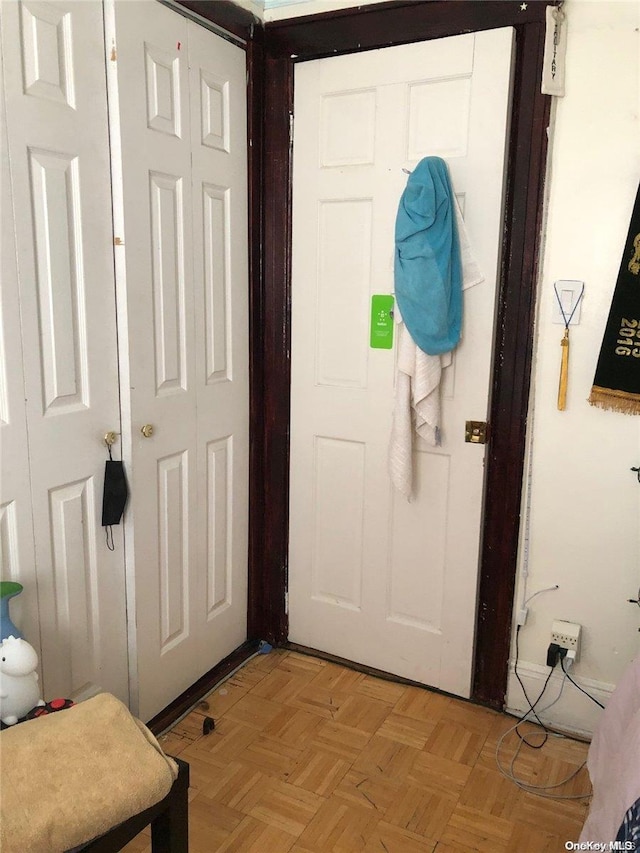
365, 28
387, 24
511, 372
268, 618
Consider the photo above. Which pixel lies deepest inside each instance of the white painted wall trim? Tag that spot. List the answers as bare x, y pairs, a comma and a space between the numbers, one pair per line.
574, 712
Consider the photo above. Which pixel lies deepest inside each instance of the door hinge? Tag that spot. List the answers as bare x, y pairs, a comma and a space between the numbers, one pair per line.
286, 603
290, 128
114, 52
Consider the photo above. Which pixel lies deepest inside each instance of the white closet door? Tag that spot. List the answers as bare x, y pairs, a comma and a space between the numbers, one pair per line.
183, 264
221, 294
17, 556
54, 74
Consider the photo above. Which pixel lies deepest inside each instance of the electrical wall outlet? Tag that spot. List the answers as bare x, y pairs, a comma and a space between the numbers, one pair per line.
567, 636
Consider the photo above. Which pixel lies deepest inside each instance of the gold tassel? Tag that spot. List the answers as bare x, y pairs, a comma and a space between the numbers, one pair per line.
564, 372
613, 400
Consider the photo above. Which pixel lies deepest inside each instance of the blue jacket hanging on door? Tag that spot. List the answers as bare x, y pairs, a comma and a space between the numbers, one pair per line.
428, 275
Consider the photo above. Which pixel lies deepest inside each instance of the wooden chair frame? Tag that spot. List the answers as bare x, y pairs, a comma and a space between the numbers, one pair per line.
169, 821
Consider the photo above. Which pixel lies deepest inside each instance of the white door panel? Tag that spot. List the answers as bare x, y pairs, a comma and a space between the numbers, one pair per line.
183, 273
59, 156
221, 292
372, 577
17, 557
153, 129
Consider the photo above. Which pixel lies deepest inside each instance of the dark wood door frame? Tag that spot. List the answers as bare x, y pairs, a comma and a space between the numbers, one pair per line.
366, 28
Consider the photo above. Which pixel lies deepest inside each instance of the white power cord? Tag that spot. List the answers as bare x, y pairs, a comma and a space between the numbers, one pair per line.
509, 773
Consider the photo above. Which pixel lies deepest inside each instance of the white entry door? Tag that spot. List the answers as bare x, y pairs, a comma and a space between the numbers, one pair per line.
60, 373
372, 577
178, 111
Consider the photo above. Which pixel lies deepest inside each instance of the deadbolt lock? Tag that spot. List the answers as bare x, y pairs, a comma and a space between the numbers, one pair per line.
147, 430
476, 432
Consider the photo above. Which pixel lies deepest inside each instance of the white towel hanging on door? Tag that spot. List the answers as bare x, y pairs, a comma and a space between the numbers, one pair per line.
417, 392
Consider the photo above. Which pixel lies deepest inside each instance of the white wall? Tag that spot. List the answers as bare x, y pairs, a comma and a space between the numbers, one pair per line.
254, 6
584, 532
584, 524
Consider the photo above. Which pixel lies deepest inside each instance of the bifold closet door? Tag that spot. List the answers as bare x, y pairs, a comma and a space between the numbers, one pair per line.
17, 554
60, 374
180, 126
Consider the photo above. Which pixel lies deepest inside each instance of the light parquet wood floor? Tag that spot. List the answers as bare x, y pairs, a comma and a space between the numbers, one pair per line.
311, 757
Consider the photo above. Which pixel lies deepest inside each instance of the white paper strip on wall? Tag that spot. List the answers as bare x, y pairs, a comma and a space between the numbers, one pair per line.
555, 46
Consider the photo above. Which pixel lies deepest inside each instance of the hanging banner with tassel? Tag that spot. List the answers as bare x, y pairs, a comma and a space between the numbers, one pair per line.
616, 385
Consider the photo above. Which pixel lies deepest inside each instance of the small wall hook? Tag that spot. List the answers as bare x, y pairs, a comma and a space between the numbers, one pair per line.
111, 437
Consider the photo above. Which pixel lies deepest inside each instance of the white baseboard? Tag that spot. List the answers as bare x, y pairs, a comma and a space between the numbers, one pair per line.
574, 712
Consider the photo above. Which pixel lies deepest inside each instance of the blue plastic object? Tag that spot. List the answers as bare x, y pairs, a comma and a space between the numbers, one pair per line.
8, 590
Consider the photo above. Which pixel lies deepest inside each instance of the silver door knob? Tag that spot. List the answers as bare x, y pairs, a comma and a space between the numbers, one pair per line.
147, 430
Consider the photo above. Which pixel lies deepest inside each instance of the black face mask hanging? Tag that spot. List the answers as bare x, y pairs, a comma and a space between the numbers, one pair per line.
114, 496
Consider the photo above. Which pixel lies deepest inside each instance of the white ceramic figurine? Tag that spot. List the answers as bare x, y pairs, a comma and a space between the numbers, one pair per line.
19, 689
